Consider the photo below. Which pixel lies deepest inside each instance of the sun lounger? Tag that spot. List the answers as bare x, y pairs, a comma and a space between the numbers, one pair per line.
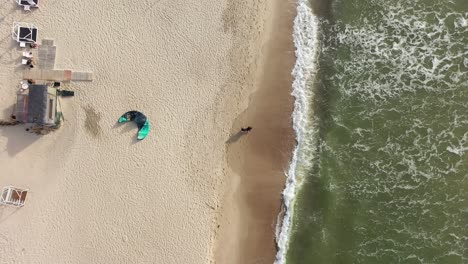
13, 196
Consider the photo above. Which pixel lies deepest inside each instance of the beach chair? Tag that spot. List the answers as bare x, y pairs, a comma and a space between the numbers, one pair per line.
27, 54
13, 196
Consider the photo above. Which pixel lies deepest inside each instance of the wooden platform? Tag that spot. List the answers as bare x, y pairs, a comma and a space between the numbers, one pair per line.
46, 53
82, 76
46, 71
48, 75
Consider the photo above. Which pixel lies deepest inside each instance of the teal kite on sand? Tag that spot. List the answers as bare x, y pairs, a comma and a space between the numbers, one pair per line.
141, 121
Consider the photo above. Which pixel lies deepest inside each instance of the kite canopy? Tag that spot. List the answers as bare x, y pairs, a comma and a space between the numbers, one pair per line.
141, 121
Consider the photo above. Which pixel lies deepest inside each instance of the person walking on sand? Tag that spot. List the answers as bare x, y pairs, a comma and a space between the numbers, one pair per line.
246, 129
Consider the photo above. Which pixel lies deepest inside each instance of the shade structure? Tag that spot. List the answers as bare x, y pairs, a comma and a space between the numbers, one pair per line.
37, 104
24, 32
28, 2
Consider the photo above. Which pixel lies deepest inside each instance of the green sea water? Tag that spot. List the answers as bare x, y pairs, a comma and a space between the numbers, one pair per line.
388, 178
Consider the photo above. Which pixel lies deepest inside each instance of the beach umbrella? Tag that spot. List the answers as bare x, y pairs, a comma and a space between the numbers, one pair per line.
141, 121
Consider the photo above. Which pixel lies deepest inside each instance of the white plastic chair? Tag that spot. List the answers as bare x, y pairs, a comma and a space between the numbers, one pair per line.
27, 8
27, 54
23, 44
24, 61
24, 85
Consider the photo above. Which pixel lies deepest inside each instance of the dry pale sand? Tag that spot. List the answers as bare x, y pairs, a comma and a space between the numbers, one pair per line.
98, 196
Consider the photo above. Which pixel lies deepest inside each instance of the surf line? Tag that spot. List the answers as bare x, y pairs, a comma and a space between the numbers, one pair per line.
305, 36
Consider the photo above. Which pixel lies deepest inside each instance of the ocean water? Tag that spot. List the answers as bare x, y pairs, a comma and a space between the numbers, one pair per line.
380, 174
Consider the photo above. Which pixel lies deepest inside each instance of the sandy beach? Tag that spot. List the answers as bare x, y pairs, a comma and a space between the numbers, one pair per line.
191, 192
258, 161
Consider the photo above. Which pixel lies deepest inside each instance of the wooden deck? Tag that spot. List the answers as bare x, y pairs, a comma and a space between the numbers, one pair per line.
46, 53
57, 75
46, 71
82, 76
47, 75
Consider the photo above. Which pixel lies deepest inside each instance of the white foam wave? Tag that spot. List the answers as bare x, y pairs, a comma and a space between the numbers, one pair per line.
458, 151
420, 50
305, 40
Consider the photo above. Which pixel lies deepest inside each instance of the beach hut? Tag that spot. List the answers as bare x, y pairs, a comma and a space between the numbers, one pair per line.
37, 106
13, 196
24, 33
27, 4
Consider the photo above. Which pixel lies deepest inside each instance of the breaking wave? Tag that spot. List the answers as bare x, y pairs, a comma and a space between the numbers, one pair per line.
306, 42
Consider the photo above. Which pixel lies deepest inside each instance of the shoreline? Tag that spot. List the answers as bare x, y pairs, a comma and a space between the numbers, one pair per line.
259, 159
305, 36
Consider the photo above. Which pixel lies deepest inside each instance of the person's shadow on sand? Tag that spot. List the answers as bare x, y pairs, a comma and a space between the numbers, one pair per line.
234, 138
